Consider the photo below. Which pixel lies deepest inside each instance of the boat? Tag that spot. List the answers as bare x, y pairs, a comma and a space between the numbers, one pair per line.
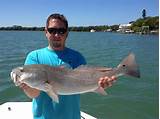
15, 110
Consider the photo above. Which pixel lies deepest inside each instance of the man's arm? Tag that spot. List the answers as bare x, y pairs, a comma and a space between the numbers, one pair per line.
30, 92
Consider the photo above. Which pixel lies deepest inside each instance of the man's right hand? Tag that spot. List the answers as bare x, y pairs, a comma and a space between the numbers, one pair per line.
30, 92
23, 86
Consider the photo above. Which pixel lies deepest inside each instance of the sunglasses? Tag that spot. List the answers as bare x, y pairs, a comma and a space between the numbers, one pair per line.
59, 31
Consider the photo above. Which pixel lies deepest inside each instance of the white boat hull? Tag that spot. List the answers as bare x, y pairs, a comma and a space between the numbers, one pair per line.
15, 110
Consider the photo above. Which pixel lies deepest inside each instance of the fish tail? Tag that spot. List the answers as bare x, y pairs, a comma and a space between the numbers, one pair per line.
129, 66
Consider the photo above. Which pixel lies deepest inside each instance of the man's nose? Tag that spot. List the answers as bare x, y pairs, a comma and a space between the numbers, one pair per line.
57, 34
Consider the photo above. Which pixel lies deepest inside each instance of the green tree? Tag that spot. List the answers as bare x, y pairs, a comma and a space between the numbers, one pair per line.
152, 22
114, 27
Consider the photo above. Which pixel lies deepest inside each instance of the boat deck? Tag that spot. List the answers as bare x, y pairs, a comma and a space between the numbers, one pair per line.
15, 110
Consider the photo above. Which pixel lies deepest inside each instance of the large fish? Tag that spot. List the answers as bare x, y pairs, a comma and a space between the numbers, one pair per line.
64, 81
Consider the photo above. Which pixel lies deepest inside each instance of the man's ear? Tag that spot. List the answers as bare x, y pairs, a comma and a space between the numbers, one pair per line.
45, 30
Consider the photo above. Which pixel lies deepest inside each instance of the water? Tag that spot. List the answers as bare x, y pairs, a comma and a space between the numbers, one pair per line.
127, 98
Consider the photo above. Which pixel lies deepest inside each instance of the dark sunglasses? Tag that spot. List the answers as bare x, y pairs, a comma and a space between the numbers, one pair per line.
60, 31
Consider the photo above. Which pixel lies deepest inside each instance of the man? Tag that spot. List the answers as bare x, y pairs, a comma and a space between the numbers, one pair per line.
56, 54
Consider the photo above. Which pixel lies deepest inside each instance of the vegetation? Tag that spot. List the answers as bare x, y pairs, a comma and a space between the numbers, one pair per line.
80, 28
20, 28
88, 28
151, 22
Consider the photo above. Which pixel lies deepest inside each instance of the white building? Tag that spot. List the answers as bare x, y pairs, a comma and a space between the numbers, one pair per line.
92, 30
125, 28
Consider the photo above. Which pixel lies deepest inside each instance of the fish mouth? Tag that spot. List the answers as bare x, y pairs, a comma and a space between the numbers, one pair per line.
15, 78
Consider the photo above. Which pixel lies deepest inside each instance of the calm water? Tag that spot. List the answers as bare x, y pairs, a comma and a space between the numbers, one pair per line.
127, 98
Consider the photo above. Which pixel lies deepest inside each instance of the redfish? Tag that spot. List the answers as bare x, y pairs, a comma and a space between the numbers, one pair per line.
64, 81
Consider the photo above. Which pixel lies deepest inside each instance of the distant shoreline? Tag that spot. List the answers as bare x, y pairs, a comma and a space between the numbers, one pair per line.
140, 33
146, 25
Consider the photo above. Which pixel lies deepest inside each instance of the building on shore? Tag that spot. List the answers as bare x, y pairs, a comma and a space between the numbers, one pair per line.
125, 28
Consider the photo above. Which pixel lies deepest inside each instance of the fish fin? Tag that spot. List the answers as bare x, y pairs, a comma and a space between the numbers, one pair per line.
52, 93
86, 67
65, 65
82, 67
100, 90
103, 69
130, 66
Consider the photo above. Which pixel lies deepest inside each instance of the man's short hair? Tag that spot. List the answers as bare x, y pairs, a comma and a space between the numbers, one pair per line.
57, 16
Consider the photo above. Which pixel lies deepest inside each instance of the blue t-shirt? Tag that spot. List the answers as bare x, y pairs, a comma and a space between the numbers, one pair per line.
69, 105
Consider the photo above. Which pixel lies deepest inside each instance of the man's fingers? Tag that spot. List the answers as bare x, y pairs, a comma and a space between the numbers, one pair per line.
113, 78
106, 81
23, 86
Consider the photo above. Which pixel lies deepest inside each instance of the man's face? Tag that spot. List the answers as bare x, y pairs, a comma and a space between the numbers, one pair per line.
56, 34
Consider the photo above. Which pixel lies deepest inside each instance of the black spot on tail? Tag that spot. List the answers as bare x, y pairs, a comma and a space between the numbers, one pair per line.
134, 73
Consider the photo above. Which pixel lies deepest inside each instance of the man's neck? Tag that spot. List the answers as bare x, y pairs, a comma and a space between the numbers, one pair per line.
56, 49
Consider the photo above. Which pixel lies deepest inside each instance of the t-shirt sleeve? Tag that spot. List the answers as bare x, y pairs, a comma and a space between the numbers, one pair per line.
80, 60
32, 58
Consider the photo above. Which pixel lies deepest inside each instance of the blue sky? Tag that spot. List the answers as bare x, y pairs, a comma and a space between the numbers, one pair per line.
78, 12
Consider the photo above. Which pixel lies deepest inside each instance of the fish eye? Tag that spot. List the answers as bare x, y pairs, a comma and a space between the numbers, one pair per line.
123, 65
21, 69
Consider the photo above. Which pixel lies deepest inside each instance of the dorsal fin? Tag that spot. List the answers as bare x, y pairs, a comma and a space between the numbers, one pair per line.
100, 69
82, 67
103, 69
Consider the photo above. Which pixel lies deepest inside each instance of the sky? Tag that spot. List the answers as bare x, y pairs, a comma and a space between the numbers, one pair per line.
78, 12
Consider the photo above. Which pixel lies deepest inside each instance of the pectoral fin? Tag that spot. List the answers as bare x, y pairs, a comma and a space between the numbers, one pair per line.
101, 91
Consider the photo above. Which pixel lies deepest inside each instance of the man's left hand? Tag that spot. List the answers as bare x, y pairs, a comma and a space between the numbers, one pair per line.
105, 82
